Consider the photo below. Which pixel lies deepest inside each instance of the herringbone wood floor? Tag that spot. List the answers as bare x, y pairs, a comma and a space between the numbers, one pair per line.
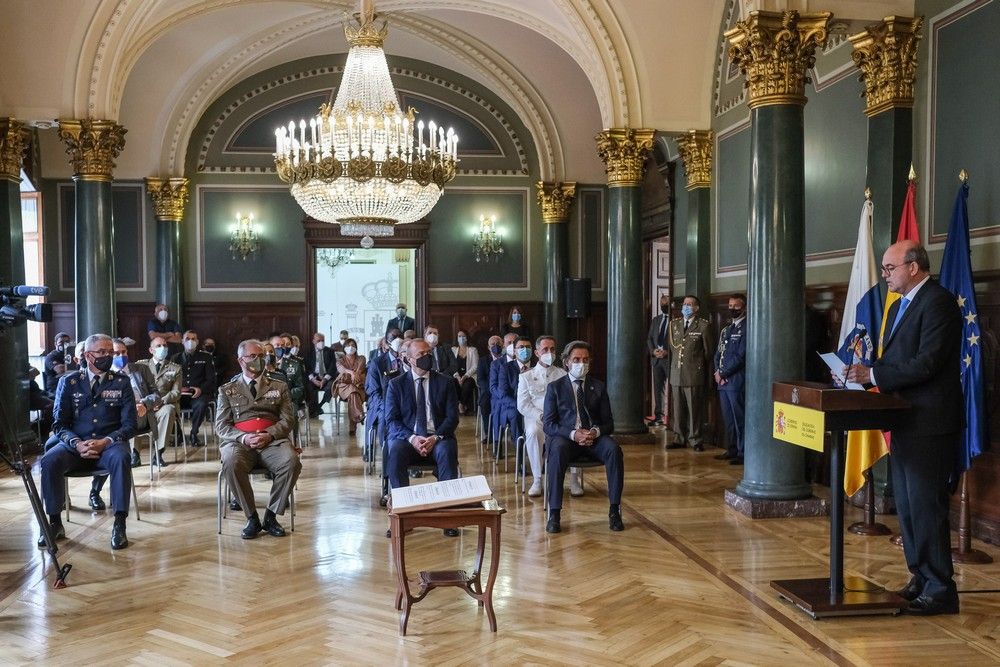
685, 584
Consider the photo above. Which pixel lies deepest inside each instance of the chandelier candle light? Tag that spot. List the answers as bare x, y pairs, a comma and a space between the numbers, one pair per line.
244, 240
487, 244
362, 162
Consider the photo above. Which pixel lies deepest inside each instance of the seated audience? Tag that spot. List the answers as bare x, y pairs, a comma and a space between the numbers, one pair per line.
297, 348
167, 377
379, 372
198, 382
41, 402
144, 388
466, 366
578, 424
531, 388
515, 324
94, 419
320, 366
58, 362
253, 421
293, 369
443, 359
338, 345
219, 361
503, 405
495, 347
350, 382
409, 334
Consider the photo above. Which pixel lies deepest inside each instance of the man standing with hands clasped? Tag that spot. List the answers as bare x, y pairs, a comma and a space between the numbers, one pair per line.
921, 364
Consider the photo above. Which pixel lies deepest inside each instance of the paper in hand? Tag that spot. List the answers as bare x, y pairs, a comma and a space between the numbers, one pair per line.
839, 368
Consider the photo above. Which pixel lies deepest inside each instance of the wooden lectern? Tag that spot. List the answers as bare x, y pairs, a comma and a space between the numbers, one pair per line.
803, 411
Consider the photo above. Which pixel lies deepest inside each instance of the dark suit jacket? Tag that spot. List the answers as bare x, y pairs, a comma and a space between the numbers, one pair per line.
401, 406
447, 363
921, 362
483, 376
504, 388
144, 386
377, 380
559, 411
329, 362
653, 340
199, 371
404, 325
730, 356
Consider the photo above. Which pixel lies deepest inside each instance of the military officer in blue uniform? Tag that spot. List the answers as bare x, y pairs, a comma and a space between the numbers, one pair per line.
729, 362
95, 417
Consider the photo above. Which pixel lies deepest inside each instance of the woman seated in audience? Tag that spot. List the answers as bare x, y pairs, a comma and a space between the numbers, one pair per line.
516, 325
350, 382
467, 357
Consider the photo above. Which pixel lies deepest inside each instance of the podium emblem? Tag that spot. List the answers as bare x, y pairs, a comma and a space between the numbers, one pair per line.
795, 395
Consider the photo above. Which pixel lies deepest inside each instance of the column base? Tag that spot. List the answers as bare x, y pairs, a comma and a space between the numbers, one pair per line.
646, 437
766, 508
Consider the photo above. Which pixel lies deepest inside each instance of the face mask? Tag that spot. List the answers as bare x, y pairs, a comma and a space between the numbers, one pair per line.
425, 363
190, 345
120, 361
687, 311
510, 350
401, 312
162, 315
210, 348
160, 353
665, 308
462, 340
269, 359
579, 370
255, 367
294, 351
61, 347
103, 364
548, 358
735, 313
431, 339
515, 317
496, 350
320, 345
523, 354
279, 352
350, 349
396, 344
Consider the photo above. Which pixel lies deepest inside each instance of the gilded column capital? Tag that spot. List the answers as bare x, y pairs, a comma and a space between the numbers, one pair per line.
169, 196
92, 146
775, 51
555, 200
623, 151
696, 150
14, 137
886, 54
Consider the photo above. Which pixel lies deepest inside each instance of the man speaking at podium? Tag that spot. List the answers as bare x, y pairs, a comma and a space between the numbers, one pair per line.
920, 363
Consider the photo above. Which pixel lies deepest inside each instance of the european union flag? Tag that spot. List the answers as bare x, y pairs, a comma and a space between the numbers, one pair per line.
956, 275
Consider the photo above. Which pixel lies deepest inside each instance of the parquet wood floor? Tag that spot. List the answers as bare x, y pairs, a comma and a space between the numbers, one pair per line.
685, 584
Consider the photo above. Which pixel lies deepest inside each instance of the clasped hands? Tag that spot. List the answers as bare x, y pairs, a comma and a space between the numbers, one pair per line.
719, 380
91, 449
258, 440
424, 443
585, 437
659, 353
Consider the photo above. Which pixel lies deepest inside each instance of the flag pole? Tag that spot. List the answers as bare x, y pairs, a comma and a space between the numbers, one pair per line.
964, 553
869, 526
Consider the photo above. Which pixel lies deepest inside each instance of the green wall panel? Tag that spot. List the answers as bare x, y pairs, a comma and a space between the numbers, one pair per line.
594, 237
732, 197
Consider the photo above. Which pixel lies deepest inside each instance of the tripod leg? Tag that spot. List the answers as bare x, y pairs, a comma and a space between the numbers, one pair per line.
43, 523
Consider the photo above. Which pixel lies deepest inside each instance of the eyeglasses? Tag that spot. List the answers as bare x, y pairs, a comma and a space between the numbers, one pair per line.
889, 268
251, 357
101, 353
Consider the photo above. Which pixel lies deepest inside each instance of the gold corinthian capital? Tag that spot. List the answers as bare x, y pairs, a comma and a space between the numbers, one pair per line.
169, 196
92, 146
886, 54
13, 142
555, 200
623, 151
696, 151
775, 51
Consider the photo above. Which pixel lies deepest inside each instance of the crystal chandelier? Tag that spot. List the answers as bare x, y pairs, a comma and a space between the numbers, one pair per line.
334, 257
362, 162
487, 243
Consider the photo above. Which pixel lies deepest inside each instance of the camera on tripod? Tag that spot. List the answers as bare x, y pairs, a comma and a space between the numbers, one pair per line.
13, 311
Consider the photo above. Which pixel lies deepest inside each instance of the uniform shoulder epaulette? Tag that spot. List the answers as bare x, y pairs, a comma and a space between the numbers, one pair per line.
276, 377
233, 381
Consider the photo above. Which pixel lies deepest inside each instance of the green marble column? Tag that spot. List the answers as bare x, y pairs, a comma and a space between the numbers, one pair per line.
93, 146
696, 147
15, 427
169, 196
624, 152
774, 51
555, 200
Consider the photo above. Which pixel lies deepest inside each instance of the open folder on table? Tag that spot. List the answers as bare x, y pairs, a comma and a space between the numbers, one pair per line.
450, 493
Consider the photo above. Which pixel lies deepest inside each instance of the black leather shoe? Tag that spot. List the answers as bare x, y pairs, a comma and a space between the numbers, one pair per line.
194, 440
737, 461
698, 448
416, 473
911, 591
675, 445
96, 502
450, 532
252, 528
615, 521
159, 460
235, 506
273, 528
924, 605
136, 460
119, 540
724, 456
58, 533
383, 501
553, 526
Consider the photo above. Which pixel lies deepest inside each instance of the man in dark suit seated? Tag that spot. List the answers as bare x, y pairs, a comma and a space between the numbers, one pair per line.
486, 362
502, 395
422, 413
320, 369
578, 424
921, 363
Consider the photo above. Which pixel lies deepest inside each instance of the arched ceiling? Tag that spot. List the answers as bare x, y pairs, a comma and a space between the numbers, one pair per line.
568, 68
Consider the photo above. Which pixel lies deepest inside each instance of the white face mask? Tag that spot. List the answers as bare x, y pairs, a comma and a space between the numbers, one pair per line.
510, 350
431, 338
350, 349
162, 315
547, 358
320, 345
160, 353
295, 351
396, 344
579, 370
190, 345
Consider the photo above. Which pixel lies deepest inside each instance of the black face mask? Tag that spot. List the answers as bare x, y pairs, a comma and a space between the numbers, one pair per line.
665, 308
103, 364
425, 363
210, 348
735, 313
269, 359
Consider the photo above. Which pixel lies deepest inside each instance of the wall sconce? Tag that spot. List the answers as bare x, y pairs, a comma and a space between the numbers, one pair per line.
487, 243
244, 239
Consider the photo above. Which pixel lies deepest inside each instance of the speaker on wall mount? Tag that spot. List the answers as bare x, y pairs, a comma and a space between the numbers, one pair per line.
577, 297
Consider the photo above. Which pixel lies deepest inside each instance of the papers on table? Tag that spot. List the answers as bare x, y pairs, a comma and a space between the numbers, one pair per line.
462, 491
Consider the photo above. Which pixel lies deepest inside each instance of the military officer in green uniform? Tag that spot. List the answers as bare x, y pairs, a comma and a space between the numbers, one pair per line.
292, 367
254, 420
690, 358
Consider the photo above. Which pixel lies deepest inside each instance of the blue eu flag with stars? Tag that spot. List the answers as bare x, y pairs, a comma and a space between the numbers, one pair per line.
956, 275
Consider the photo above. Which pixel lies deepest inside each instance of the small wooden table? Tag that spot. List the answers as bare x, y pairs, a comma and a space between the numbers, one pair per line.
485, 515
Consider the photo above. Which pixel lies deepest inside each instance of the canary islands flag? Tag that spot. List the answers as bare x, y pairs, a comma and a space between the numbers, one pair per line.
956, 275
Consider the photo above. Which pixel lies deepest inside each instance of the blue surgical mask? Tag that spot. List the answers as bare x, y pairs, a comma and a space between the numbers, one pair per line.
687, 311
496, 350
515, 317
119, 362
523, 354
279, 352
160, 353
462, 340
